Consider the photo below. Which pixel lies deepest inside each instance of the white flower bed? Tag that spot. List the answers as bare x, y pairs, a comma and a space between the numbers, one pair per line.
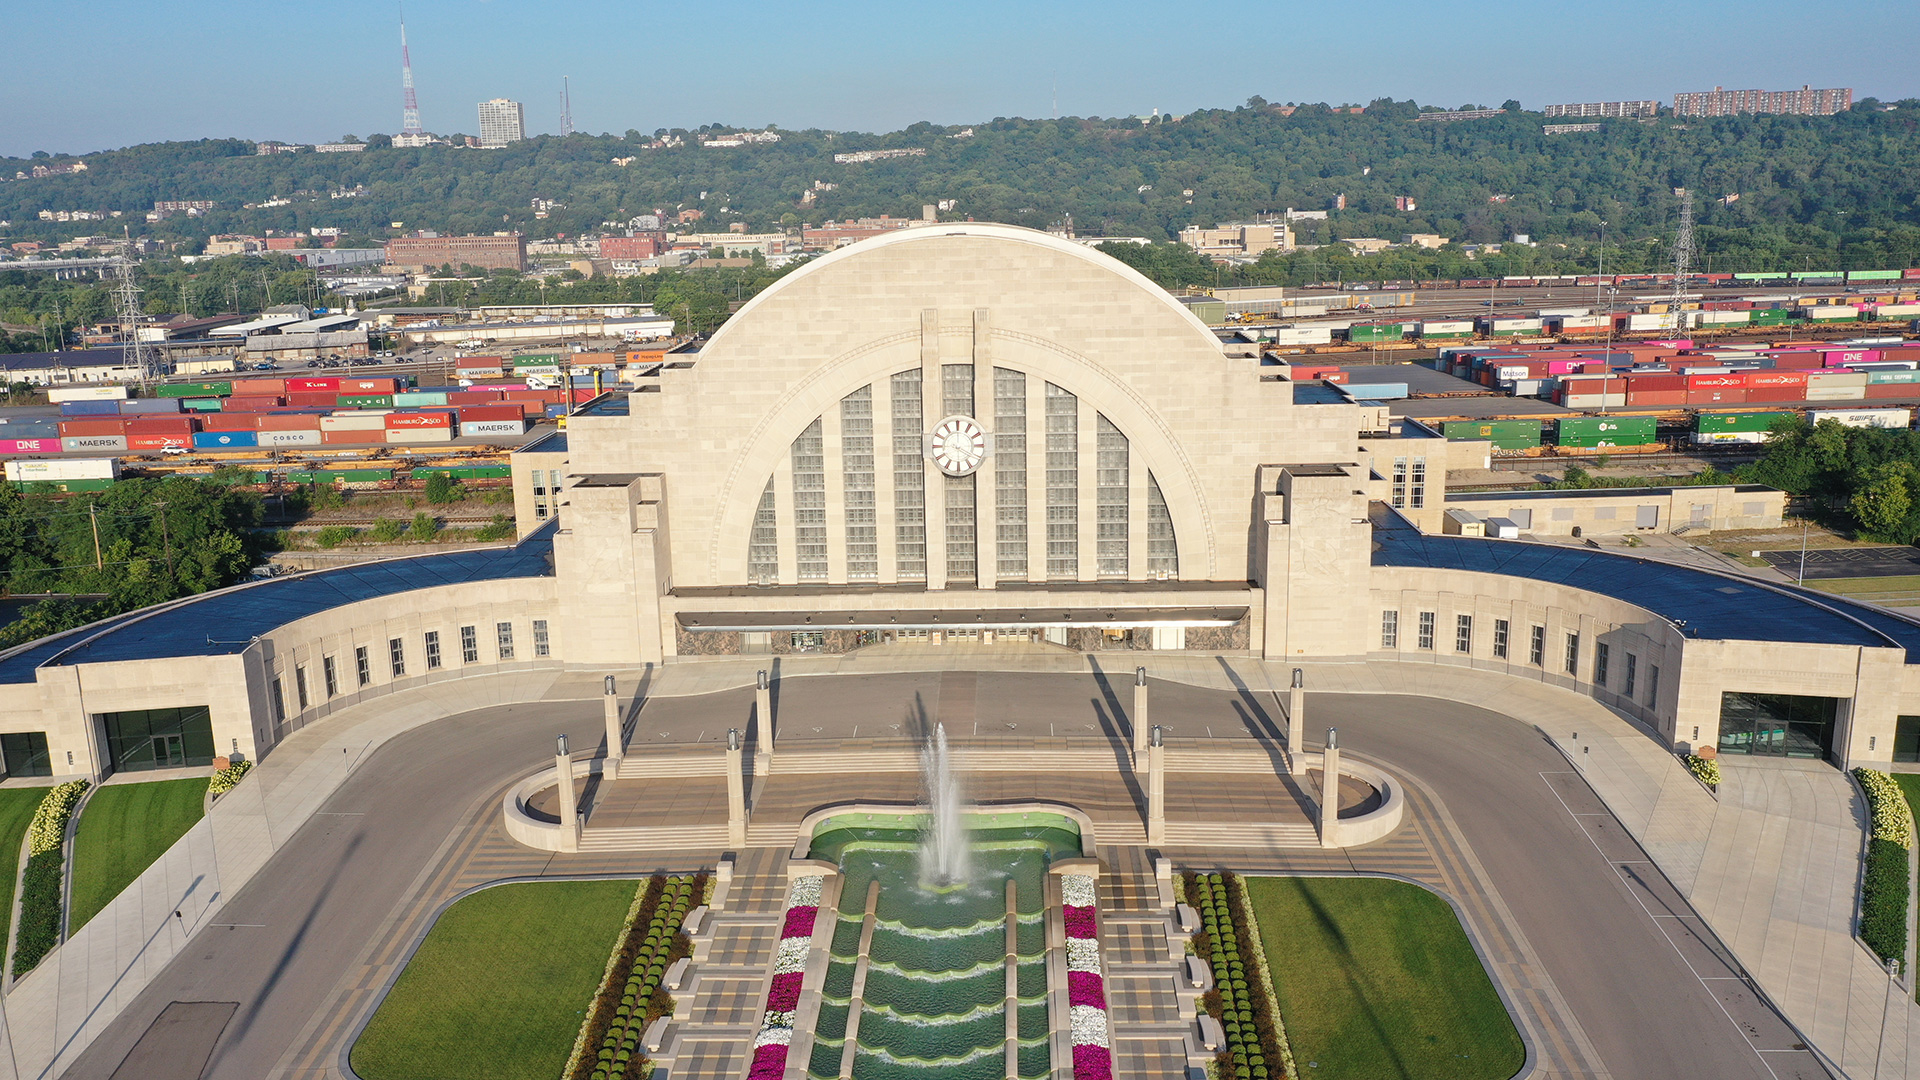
48, 830
1083, 954
773, 1036
781, 1019
792, 957
1076, 890
805, 891
1089, 1025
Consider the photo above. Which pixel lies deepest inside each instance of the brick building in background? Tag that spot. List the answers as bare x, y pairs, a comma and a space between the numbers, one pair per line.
497, 252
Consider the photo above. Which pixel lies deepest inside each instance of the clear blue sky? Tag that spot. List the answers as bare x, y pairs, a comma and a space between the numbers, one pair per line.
90, 76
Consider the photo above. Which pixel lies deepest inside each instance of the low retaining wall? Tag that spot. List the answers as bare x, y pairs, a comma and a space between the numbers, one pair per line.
1376, 824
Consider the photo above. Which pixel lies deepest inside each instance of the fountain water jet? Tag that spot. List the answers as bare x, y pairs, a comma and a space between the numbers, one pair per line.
945, 859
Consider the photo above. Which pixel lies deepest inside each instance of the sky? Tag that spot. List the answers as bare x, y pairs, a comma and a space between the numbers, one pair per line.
112, 73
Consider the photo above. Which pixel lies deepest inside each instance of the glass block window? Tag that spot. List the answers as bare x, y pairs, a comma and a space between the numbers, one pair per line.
362, 667
1010, 473
503, 638
1463, 633
332, 676
1063, 484
763, 549
962, 528
433, 650
1501, 628
956, 389
1390, 629
810, 504
1163, 554
856, 460
1425, 639
909, 478
469, 645
1110, 500
397, 655
542, 644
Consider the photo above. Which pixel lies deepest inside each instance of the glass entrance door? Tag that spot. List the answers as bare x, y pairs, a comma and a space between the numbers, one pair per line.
168, 752
1777, 725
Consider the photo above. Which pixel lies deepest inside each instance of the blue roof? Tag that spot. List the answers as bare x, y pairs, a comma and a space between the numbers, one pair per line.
226, 621
1708, 605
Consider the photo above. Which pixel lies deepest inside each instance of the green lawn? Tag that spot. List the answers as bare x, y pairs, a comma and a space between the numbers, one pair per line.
500, 987
124, 828
1910, 787
16, 809
1377, 980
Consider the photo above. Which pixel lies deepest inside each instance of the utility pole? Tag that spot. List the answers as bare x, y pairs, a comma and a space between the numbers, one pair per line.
164, 537
94, 516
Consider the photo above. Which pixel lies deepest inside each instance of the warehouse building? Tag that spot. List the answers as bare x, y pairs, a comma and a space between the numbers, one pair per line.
978, 433
497, 252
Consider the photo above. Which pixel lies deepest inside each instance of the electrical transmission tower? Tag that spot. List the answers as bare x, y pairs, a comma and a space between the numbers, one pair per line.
409, 105
135, 353
1682, 259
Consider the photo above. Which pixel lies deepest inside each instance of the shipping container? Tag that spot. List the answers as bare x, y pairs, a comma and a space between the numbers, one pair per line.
398, 420
161, 425
479, 413
1873, 275
1592, 431
150, 407
1287, 335
90, 408
290, 438
230, 422
289, 422
409, 435
313, 386
1828, 313
354, 422
81, 444
365, 401
30, 446
96, 426
1848, 357
1737, 421
251, 403
367, 386
60, 394
1874, 418
191, 390
417, 398
64, 469
259, 387
225, 440
200, 405
159, 442
1504, 434
487, 428
1907, 375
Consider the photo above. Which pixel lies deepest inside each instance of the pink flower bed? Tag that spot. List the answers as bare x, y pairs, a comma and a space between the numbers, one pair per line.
1079, 922
770, 1063
785, 993
1089, 1063
1086, 988
799, 922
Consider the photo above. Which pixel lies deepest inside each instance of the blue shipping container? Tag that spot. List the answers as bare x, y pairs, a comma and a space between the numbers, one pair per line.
1376, 391
149, 405
556, 410
89, 408
222, 440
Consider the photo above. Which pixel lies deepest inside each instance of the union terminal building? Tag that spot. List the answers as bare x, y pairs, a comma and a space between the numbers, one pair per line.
978, 433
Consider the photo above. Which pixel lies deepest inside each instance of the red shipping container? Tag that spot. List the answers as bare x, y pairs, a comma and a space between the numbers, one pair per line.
1770, 379
1894, 390
1777, 394
476, 413
1329, 377
366, 386
352, 438
223, 421
79, 428
160, 425
313, 400
1656, 382
289, 422
474, 397
251, 403
1717, 395
1637, 398
256, 387
1736, 380
419, 420
1910, 275
330, 384
155, 442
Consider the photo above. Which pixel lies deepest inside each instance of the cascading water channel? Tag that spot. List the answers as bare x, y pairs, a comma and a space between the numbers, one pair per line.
934, 1002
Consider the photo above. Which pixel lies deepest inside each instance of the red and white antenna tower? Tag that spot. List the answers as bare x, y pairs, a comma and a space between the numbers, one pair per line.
409, 105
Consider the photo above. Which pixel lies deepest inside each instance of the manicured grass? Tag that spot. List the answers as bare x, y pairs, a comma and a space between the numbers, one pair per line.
16, 809
124, 828
1896, 589
1377, 980
499, 988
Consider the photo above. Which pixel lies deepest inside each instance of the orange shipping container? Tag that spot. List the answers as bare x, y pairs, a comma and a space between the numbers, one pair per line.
79, 428
419, 420
224, 421
290, 422
352, 438
249, 387
160, 425
357, 387
156, 442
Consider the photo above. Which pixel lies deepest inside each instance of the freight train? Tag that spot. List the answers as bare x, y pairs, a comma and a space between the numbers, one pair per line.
1639, 432
1709, 281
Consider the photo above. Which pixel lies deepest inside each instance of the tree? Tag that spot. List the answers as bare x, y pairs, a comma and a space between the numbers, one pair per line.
1882, 504
443, 489
424, 528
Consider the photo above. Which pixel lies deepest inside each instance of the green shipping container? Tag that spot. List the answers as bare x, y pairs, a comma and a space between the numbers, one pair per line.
1707, 423
1873, 275
1771, 316
419, 397
536, 360
1388, 332
1892, 377
195, 389
1816, 275
201, 404
365, 401
1504, 434
1590, 431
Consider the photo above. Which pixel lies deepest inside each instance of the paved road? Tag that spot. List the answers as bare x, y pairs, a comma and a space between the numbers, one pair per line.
1580, 890
330, 887
1626, 952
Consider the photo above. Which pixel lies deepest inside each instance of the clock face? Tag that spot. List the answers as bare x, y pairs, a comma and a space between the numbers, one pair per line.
959, 445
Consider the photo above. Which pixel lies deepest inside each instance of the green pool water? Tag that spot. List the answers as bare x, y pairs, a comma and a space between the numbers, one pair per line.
935, 1001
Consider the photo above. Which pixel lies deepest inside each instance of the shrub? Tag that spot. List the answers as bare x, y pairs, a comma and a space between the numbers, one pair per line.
385, 531
40, 906
500, 528
228, 778
424, 528
48, 829
443, 489
1706, 770
334, 535
1885, 886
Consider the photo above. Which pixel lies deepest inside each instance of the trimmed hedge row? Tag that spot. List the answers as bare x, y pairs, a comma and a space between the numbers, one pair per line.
40, 906
631, 997
1239, 999
1885, 887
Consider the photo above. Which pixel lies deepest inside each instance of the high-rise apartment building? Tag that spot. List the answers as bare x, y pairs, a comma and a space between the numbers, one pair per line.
501, 122
1805, 101
1605, 108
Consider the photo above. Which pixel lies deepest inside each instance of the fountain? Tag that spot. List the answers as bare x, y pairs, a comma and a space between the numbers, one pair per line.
944, 846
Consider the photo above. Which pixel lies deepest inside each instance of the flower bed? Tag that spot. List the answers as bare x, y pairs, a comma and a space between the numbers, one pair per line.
630, 997
1242, 998
1086, 985
789, 969
1705, 770
1884, 886
228, 778
40, 905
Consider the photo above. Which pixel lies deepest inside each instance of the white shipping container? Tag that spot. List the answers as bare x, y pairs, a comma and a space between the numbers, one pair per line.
371, 421
1707, 438
420, 435
1579, 322
64, 469
1649, 322
86, 393
1834, 393
1594, 401
1550, 312
1449, 326
1303, 335
92, 444
1722, 318
1897, 311
1517, 324
1876, 418
1829, 312
493, 427
289, 438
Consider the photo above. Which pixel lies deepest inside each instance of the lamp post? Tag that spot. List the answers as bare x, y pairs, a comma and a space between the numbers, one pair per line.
1330, 791
736, 792
569, 804
616, 745
1297, 722
1139, 711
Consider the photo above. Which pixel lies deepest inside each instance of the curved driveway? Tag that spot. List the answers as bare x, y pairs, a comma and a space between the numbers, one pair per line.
1564, 868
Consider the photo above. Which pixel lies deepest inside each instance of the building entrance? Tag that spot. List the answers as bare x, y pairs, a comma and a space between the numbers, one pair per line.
1777, 725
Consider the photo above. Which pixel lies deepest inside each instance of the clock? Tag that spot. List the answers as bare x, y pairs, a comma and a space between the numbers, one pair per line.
958, 445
